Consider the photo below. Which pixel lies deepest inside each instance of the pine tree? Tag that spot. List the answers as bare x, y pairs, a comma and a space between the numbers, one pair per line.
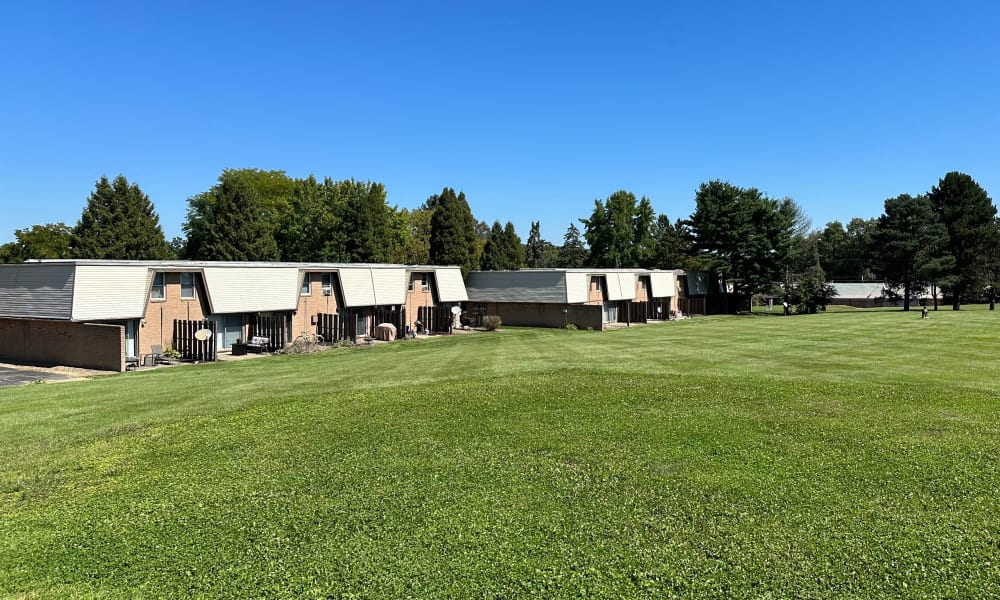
969, 216
238, 229
366, 221
534, 251
453, 231
119, 222
909, 242
493, 257
514, 251
573, 253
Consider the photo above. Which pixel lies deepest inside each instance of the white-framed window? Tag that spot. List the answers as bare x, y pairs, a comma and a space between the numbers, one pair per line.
327, 284
305, 285
159, 290
187, 285
424, 284
597, 283
409, 286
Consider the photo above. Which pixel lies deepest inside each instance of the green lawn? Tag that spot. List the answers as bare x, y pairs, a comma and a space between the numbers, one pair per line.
849, 454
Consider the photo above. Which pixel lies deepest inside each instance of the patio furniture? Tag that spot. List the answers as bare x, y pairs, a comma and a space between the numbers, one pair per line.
258, 344
155, 357
131, 363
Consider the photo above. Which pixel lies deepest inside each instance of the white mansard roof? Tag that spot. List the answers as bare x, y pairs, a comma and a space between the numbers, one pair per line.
104, 290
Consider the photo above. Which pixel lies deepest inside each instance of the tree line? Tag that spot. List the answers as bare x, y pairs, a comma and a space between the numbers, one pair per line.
947, 239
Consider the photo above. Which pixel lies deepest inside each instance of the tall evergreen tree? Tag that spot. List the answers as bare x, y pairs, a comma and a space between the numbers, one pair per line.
534, 251
610, 231
672, 244
745, 235
119, 223
910, 242
968, 214
643, 235
512, 247
239, 228
453, 231
275, 192
492, 258
573, 254
367, 221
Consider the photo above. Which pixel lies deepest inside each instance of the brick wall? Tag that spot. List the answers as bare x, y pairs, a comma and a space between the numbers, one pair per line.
531, 314
157, 326
314, 303
418, 296
84, 345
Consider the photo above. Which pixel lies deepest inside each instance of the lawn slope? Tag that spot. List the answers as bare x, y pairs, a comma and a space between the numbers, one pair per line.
848, 454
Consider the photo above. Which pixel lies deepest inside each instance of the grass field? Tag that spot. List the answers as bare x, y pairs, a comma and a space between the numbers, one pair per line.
850, 454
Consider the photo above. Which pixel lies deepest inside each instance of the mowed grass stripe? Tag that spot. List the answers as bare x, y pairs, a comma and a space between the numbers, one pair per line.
695, 458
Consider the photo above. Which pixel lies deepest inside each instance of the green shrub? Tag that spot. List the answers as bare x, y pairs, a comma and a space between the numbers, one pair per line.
492, 322
571, 326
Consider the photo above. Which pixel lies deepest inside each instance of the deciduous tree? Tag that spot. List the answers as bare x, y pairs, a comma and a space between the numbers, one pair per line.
51, 240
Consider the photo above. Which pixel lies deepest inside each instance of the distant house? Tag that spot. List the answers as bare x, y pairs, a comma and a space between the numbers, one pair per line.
586, 298
869, 294
96, 314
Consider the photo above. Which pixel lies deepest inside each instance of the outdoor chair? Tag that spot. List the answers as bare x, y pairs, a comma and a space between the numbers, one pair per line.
258, 344
154, 358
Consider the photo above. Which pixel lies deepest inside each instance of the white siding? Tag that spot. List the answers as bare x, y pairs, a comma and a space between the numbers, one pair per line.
359, 290
36, 291
621, 286
110, 292
390, 286
663, 284
450, 287
577, 288
252, 289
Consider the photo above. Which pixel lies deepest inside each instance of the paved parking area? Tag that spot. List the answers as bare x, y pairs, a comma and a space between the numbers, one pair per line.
10, 376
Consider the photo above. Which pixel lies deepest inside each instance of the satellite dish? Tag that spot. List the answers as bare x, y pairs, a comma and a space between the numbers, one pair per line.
203, 335
455, 310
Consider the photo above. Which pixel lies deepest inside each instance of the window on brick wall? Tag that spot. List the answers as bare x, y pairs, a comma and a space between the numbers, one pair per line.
159, 290
327, 284
305, 285
187, 285
424, 285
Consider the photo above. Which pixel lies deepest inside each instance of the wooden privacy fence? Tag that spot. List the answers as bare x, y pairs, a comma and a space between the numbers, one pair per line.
692, 306
187, 343
334, 328
642, 312
273, 328
436, 319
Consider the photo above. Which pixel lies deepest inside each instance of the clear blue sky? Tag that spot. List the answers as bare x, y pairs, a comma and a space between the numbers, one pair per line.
534, 109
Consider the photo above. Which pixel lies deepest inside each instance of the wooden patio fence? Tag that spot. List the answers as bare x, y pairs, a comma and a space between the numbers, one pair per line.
190, 347
334, 328
275, 329
436, 319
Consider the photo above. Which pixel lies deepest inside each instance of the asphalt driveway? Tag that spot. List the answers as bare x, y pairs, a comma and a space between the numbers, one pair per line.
10, 376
